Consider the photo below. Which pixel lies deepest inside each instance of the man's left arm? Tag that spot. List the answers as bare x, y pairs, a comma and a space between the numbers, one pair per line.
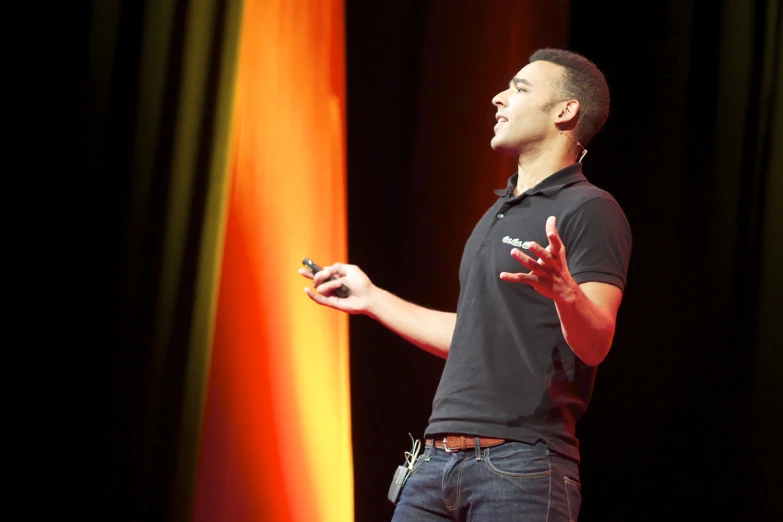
587, 318
587, 311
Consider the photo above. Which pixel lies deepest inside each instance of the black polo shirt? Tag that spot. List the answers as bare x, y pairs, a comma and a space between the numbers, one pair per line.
510, 373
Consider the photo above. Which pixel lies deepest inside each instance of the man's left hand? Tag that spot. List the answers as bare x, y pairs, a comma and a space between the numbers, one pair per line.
548, 275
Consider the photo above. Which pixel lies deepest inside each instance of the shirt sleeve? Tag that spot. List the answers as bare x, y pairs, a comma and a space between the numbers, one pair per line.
597, 238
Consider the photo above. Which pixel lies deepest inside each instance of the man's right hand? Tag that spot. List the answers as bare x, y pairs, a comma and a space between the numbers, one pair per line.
349, 275
428, 329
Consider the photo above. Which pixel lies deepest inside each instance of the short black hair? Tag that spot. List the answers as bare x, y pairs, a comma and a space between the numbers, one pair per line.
581, 81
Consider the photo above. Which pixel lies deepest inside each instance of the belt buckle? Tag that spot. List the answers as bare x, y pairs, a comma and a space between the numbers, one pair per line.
446, 447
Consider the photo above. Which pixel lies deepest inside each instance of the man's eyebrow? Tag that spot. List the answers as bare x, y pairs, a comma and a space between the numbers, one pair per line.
517, 81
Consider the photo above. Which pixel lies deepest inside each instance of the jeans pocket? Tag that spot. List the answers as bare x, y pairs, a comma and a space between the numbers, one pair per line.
517, 460
574, 498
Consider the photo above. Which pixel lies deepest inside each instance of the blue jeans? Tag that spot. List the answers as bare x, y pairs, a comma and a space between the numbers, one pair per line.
511, 482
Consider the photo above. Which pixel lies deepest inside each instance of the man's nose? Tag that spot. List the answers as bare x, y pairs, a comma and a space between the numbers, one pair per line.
499, 99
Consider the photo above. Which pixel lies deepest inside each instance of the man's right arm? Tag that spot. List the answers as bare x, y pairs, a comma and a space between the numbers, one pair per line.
430, 330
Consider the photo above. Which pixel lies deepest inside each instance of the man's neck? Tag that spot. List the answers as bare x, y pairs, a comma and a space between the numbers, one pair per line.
533, 169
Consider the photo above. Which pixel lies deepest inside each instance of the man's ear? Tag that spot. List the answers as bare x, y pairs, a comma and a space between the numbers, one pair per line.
567, 115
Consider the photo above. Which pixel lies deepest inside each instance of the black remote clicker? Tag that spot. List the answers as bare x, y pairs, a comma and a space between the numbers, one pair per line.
343, 291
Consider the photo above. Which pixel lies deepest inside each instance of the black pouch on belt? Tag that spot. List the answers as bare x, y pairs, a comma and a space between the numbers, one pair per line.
403, 472
395, 490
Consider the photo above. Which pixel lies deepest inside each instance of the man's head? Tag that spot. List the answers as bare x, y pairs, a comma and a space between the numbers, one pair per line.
557, 91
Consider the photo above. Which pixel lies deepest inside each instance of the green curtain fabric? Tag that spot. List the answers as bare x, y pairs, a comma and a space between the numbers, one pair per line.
749, 188
765, 259
156, 101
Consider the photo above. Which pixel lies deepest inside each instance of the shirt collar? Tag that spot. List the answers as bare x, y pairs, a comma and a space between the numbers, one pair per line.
550, 185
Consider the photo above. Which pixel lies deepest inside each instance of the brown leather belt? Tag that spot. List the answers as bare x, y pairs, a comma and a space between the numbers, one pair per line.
452, 443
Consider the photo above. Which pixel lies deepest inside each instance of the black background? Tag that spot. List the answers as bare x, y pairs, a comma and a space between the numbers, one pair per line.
670, 434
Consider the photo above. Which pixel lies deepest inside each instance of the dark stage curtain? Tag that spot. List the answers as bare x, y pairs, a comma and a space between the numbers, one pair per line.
157, 83
687, 406
692, 150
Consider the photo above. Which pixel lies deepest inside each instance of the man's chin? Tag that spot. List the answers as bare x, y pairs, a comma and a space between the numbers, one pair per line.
504, 148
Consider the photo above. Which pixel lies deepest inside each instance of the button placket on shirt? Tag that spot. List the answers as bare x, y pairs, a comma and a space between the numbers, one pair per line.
501, 214
505, 207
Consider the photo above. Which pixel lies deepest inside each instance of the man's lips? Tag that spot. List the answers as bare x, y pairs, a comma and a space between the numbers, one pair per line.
500, 120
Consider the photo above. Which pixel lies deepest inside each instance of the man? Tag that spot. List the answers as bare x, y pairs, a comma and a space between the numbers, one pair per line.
522, 348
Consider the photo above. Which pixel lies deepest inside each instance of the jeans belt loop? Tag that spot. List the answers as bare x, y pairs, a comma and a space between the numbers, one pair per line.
477, 447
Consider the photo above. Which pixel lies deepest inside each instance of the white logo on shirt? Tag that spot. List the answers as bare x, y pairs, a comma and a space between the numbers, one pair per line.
515, 242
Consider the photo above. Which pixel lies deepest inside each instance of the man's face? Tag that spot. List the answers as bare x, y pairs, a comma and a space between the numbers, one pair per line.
523, 115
